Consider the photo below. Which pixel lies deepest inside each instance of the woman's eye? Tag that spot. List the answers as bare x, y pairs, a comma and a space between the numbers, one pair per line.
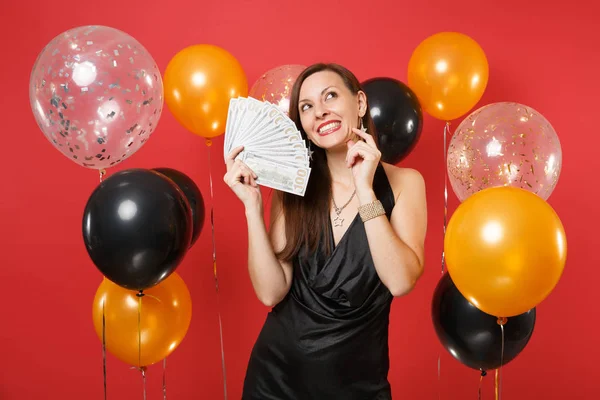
304, 107
330, 95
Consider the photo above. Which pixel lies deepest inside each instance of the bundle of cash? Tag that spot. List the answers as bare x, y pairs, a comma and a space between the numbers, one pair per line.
273, 146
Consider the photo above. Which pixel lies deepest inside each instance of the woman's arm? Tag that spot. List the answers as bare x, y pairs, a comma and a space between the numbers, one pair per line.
270, 277
397, 245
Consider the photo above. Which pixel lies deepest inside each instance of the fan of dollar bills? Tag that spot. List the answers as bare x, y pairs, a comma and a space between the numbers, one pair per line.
273, 146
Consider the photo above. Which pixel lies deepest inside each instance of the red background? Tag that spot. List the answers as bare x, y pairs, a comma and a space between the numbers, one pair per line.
540, 54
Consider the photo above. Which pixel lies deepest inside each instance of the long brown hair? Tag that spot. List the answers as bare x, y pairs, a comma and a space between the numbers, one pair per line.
307, 218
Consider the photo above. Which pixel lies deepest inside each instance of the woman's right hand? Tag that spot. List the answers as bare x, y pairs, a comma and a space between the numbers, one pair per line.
242, 180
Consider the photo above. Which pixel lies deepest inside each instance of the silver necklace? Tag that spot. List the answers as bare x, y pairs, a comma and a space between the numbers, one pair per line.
338, 221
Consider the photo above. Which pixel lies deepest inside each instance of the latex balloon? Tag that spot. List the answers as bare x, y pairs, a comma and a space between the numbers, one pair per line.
275, 85
96, 94
505, 249
473, 337
397, 116
199, 82
504, 144
193, 196
449, 73
137, 227
142, 330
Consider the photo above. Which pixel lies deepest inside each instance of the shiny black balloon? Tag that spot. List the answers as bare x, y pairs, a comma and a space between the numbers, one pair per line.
397, 116
193, 195
137, 227
473, 337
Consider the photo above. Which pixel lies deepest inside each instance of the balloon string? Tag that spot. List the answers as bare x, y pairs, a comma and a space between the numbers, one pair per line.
483, 373
480, 382
496, 386
164, 380
223, 359
139, 295
139, 322
501, 363
212, 218
501, 322
144, 381
212, 224
439, 377
446, 131
104, 344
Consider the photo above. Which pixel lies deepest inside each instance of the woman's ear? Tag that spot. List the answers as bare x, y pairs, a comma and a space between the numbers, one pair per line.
362, 103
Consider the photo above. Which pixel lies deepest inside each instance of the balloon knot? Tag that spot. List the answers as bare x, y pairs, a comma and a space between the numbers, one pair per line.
501, 320
140, 293
483, 372
208, 142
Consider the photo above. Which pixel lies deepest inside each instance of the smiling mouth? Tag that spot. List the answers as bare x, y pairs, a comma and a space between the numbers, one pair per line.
330, 127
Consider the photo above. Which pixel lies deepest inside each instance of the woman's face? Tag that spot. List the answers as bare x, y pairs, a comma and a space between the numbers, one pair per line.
329, 110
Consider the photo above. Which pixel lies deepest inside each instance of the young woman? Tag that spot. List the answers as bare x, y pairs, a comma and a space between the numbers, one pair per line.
333, 260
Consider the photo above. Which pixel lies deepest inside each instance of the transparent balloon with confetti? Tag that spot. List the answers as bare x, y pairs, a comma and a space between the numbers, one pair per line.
504, 144
96, 94
275, 85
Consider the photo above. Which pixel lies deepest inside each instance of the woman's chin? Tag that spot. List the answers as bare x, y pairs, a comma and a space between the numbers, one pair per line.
333, 142
334, 148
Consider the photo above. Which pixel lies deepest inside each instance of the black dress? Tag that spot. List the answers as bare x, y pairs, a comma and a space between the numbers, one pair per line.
328, 339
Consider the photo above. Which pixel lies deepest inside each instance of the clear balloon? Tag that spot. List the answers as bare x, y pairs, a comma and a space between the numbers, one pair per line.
275, 85
96, 94
504, 144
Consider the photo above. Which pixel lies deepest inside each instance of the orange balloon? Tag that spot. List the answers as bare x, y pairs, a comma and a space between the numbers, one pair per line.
164, 318
199, 81
505, 249
448, 72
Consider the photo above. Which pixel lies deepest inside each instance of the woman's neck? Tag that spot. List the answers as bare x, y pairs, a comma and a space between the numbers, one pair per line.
340, 173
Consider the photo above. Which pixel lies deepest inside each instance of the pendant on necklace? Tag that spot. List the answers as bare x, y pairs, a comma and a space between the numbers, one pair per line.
337, 221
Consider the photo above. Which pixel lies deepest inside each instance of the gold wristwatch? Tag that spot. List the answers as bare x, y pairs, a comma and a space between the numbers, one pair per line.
371, 210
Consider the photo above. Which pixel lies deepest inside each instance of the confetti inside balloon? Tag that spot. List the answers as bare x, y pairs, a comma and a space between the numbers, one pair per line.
275, 85
96, 94
504, 144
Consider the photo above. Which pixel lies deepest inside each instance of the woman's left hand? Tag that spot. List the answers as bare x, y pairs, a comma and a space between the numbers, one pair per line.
363, 158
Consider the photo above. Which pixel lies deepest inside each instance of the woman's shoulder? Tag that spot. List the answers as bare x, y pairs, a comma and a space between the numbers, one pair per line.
402, 179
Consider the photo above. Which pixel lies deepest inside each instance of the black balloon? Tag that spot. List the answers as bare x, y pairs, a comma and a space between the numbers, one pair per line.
193, 195
397, 116
137, 227
473, 337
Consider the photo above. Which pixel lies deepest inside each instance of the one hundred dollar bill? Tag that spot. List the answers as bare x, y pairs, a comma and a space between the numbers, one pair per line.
276, 174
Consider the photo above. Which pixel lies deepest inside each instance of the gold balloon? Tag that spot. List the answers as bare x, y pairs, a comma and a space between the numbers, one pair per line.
505, 249
448, 72
164, 313
199, 81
